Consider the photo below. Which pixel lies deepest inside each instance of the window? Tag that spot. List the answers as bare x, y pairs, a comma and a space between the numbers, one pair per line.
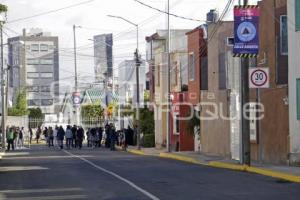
191, 65
297, 15
46, 75
33, 61
33, 102
45, 88
33, 89
298, 98
283, 35
44, 47
230, 41
47, 102
34, 47
32, 75
46, 61
204, 74
15, 62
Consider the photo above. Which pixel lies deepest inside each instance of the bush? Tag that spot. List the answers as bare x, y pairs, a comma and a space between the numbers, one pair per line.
149, 140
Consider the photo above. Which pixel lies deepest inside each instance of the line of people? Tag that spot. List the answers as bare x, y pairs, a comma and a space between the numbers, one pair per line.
74, 136
71, 137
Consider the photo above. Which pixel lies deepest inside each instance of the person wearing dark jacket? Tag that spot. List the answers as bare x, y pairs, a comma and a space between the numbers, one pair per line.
60, 136
80, 137
113, 137
107, 132
100, 131
51, 137
74, 133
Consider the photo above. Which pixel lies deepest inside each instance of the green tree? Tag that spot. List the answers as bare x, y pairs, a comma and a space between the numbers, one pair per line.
3, 8
92, 111
20, 107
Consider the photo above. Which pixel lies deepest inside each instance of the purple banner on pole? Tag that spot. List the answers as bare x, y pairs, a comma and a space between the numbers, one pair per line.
246, 32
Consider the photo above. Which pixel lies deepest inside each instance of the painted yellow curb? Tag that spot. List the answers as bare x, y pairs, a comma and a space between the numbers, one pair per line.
227, 166
257, 170
134, 151
274, 174
236, 167
181, 158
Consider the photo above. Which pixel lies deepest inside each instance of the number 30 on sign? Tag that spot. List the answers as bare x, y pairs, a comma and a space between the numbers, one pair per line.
259, 78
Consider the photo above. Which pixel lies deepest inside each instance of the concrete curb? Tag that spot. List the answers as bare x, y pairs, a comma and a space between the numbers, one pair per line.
137, 152
181, 158
133, 151
235, 167
222, 165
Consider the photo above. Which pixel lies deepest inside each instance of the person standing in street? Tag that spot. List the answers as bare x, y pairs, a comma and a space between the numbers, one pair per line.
69, 137
61, 136
45, 133
51, 137
21, 138
16, 136
113, 137
74, 133
89, 138
55, 132
107, 132
10, 139
80, 137
30, 135
38, 134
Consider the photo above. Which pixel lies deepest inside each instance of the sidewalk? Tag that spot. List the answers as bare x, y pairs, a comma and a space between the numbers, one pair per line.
281, 172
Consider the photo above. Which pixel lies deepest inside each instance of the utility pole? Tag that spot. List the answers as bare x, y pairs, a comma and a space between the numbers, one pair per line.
137, 71
246, 159
3, 115
137, 62
169, 80
76, 75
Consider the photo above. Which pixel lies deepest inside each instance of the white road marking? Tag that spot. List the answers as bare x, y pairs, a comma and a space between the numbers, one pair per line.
38, 190
151, 196
65, 197
21, 168
16, 154
42, 157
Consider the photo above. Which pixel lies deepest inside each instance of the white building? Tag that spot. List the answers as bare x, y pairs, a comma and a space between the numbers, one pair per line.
294, 79
127, 81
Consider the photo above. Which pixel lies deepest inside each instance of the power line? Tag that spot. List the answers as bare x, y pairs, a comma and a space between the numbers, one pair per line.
171, 14
50, 11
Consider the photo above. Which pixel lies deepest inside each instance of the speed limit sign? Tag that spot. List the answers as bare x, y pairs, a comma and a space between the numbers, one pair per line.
259, 78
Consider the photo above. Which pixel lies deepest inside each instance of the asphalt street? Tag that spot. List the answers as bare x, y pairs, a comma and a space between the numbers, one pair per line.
41, 173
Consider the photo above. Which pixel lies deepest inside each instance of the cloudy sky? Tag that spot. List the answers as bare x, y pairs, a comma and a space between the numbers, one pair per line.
92, 16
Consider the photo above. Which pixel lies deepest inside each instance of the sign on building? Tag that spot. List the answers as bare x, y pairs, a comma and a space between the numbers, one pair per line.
246, 33
76, 98
259, 78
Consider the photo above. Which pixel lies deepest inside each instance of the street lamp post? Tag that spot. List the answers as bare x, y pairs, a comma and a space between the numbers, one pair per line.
137, 62
3, 115
76, 75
